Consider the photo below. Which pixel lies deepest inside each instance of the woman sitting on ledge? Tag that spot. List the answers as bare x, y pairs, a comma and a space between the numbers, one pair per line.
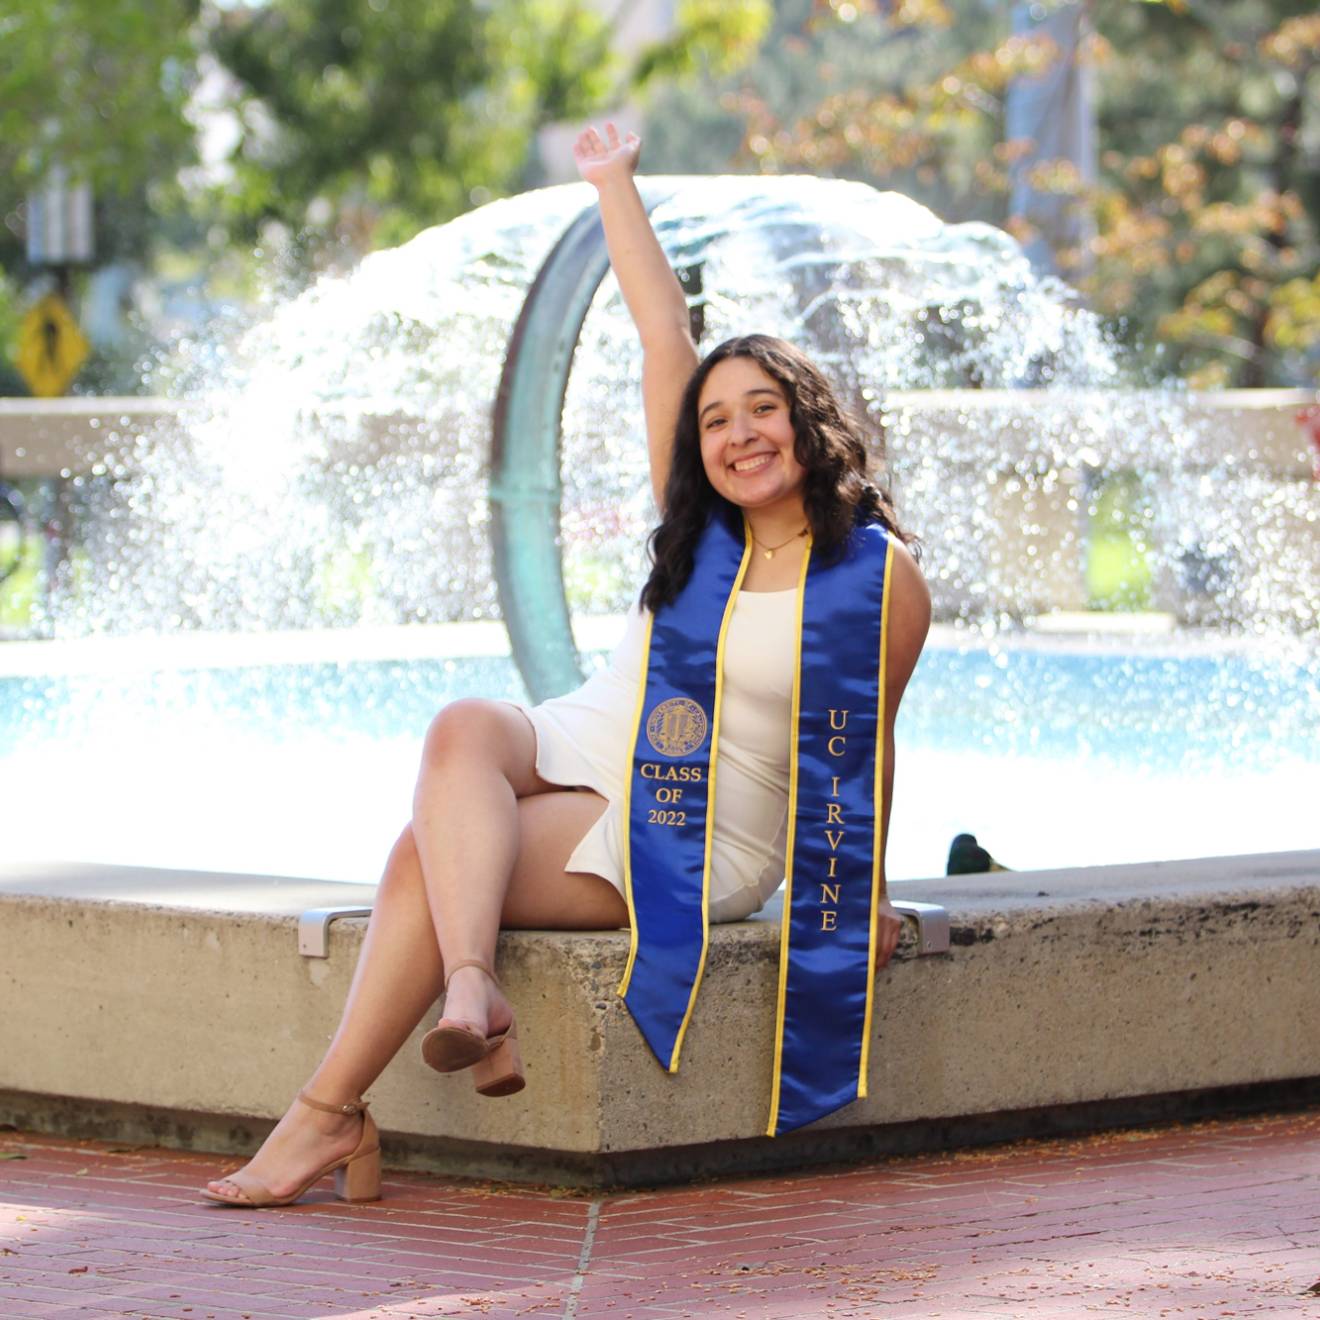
778, 628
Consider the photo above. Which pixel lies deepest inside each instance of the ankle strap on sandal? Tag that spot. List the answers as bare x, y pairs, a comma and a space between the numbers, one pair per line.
470, 962
351, 1108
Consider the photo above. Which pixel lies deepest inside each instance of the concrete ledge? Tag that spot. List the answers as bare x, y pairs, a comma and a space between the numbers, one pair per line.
174, 1006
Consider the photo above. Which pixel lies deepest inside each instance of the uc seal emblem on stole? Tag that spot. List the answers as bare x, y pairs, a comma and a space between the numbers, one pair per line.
676, 727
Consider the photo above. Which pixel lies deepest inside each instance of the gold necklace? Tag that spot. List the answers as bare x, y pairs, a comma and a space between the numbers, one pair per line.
770, 549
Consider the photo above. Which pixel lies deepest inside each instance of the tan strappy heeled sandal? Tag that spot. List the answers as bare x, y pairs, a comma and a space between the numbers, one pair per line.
495, 1060
357, 1175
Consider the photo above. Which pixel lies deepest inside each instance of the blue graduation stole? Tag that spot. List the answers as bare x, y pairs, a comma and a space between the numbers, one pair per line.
836, 776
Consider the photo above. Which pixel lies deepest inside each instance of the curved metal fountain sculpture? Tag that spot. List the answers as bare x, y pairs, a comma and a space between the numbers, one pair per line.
525, 486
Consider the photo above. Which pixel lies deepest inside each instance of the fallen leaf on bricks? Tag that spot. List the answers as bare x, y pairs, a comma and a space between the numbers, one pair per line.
10, 1155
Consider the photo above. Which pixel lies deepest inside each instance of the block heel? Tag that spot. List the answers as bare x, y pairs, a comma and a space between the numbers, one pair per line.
501, 1071
496, 1061
359, 1179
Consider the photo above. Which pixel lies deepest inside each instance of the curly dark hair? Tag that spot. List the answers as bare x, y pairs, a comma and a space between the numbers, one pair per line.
838, 492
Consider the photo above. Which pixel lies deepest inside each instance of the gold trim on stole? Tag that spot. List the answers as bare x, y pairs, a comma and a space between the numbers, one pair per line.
710, 788
627, 810
788, 848
881, 738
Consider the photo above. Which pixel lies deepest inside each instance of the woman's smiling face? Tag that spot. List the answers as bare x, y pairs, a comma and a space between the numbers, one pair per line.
747, 435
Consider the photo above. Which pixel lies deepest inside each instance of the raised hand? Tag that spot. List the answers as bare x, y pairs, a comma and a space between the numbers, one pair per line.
601, 159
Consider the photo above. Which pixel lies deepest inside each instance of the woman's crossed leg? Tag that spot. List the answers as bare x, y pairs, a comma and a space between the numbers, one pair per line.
486, 849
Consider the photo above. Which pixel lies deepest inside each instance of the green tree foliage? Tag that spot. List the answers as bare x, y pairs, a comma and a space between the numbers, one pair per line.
710, 37
99, 87
1206, 207
356, 122
809, 101
390, 115
96, 85
378, 117
359, 119
1208, 204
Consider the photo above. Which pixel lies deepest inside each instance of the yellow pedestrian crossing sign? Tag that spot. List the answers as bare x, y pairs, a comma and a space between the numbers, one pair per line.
51, 348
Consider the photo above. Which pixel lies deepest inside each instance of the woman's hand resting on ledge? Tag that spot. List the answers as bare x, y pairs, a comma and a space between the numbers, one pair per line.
888, 925
599, 160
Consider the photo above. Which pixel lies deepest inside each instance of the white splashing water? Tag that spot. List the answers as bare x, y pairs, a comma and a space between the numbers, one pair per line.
329, 463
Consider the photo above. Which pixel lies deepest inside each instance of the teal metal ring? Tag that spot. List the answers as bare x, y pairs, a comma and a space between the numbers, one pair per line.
526, 446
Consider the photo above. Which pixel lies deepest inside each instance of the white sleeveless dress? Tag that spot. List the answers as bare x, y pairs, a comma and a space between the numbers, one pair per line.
583, 739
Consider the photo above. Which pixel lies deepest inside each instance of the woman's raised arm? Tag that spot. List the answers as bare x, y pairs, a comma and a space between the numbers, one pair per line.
650, 288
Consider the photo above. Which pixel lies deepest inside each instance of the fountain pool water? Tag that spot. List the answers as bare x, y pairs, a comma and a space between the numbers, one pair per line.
306, 769
271, 597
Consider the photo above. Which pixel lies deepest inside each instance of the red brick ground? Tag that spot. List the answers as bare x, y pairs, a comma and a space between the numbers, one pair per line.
1199, 1220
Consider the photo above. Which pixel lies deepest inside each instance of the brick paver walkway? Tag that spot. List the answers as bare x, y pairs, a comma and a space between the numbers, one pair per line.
1208, 1219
